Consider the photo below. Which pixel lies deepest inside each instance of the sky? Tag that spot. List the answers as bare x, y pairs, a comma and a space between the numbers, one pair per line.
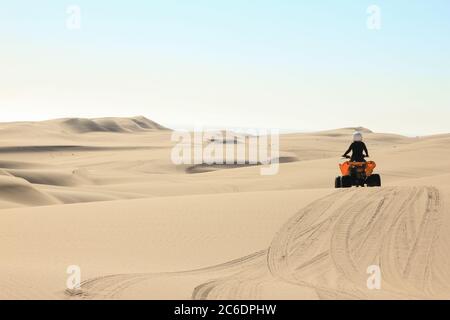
286, 64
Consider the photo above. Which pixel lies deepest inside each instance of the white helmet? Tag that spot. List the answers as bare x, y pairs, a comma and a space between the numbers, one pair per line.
357, 136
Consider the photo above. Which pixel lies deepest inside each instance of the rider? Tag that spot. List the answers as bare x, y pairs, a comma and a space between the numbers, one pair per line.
357, 148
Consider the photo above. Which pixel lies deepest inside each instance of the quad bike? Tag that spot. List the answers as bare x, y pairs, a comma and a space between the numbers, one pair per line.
357, 174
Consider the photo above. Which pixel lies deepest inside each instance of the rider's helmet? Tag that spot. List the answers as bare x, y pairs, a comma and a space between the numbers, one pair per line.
357, 136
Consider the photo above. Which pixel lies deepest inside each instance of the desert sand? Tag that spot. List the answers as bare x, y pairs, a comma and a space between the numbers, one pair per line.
104, 195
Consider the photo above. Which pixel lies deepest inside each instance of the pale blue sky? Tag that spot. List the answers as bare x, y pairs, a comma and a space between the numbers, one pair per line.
288, 64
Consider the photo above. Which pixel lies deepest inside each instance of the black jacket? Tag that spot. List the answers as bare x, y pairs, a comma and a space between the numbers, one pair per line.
357, 149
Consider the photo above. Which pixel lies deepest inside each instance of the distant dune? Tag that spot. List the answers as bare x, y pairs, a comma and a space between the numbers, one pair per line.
103, 194
63, 127
118, 125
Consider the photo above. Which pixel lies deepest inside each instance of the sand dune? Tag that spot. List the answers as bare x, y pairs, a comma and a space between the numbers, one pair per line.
22, 192
103, 194
117, 125
323, 252
202, 168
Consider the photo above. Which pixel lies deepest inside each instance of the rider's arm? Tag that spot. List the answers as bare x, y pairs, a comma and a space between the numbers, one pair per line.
365, 149
348, 151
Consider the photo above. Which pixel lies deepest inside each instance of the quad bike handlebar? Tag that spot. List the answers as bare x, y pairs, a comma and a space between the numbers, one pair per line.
348, 157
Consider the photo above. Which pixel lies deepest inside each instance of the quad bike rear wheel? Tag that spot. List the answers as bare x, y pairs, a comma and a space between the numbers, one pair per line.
346, 182
374, 180
337, 183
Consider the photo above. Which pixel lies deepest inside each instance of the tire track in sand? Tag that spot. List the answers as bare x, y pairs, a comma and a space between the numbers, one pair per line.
324, 251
